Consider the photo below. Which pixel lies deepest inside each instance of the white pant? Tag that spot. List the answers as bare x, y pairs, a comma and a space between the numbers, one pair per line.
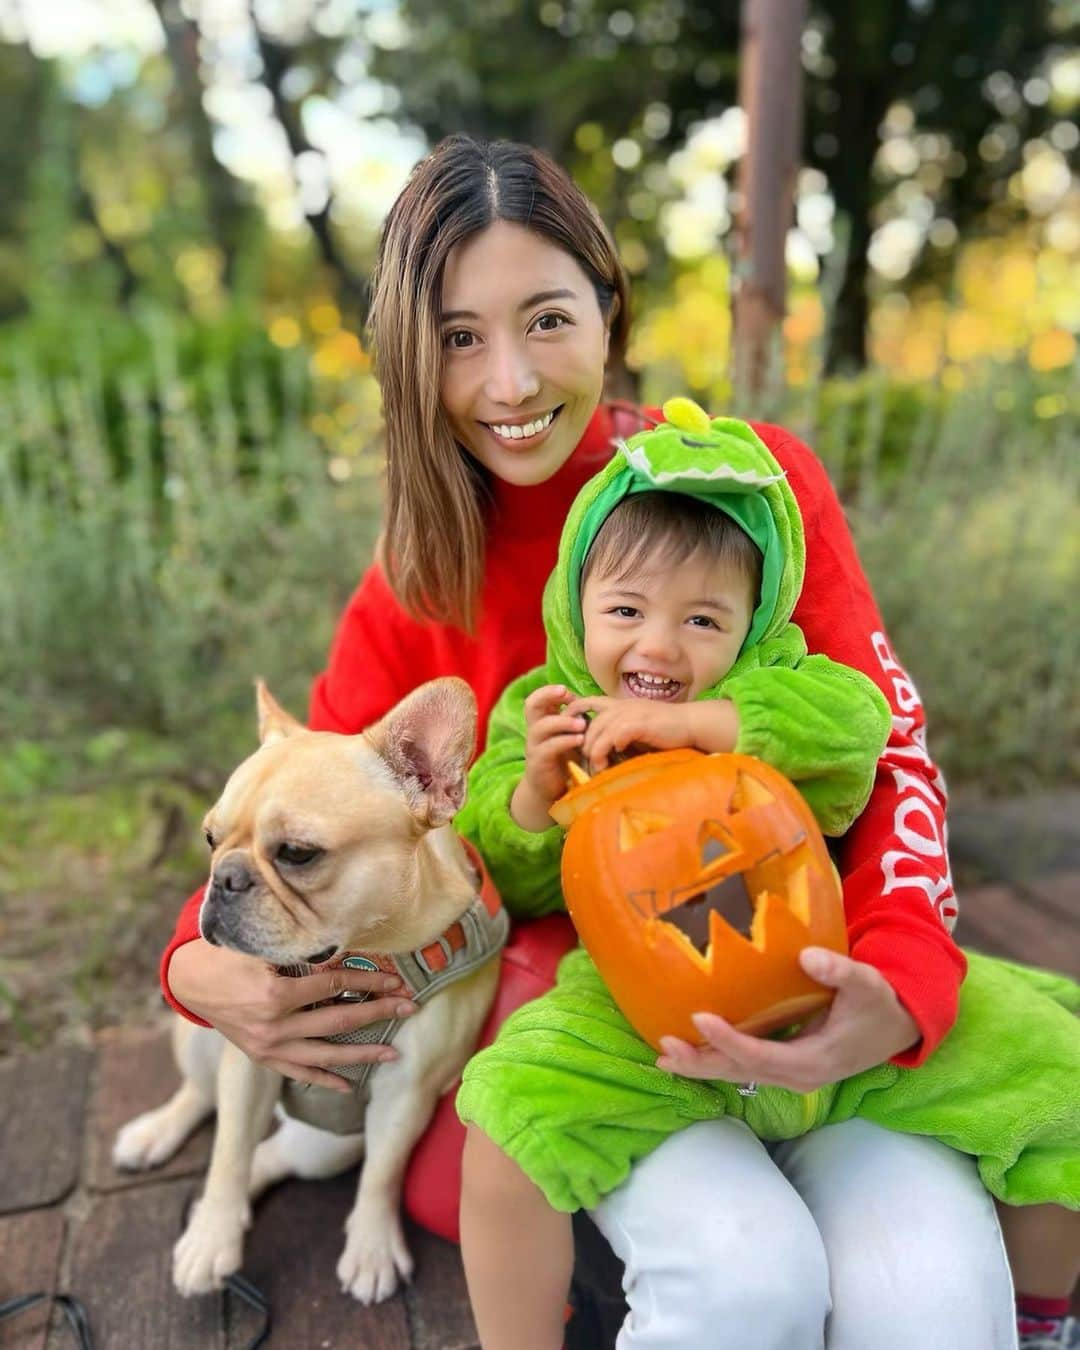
851, 1237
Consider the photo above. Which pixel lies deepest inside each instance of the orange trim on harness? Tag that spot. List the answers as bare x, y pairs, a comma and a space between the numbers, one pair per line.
434, 954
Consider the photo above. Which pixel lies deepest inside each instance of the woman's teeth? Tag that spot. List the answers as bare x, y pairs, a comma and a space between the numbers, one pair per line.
652, 686
522, 432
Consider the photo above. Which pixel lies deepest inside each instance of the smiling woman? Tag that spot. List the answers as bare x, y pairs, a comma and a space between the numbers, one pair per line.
497, 299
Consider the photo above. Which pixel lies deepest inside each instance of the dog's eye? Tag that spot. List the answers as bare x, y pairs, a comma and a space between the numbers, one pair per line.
209, 838
296, 854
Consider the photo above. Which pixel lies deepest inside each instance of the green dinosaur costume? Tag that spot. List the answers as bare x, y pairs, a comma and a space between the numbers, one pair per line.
569, 1090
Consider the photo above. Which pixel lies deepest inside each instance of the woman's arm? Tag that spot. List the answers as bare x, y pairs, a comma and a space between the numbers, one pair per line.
377, 656
823, 725
897, 888
367, 673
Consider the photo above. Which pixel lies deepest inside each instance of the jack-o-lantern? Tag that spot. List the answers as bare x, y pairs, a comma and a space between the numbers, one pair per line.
694, 881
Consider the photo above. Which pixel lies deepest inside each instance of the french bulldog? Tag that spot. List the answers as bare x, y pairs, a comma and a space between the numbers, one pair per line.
325, 845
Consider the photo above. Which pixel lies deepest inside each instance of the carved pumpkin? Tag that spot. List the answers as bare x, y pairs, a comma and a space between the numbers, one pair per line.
694, 881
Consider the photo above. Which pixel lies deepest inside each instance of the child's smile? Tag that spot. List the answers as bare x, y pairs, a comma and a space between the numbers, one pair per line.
640, 684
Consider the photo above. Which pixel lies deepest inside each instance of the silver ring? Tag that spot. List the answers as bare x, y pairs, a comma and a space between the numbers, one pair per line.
747, 1090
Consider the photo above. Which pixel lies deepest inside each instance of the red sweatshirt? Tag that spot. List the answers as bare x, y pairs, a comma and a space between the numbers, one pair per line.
897, 889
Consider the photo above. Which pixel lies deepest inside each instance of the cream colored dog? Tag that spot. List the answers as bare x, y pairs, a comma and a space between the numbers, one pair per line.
325, 844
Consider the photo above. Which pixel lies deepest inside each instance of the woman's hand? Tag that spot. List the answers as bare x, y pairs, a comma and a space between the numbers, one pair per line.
552, 737
268, 1015
865, 1025
617, 723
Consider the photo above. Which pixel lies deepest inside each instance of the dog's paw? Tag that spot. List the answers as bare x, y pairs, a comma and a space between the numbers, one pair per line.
211, 1248
374, 1259
143, 1143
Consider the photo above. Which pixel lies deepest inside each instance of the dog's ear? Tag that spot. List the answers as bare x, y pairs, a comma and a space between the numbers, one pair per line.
274, 722
428, 740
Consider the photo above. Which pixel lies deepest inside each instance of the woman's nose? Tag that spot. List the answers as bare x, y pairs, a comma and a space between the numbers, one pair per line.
511, 378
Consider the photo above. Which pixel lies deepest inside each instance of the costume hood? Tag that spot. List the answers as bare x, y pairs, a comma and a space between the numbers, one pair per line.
721, 461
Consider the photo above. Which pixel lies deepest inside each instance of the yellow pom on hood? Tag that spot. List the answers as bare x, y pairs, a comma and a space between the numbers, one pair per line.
685, 414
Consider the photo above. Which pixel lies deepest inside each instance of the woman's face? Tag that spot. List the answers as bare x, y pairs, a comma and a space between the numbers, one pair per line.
524, 348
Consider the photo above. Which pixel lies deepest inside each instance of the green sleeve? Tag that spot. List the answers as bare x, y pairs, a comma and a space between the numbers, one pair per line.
823, 725
524, 865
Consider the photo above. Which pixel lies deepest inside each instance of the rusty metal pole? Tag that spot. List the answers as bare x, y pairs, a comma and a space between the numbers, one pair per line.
770, 93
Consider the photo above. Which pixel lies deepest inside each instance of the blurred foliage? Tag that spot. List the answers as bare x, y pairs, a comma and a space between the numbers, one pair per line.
180, 521
973, 549
229, 159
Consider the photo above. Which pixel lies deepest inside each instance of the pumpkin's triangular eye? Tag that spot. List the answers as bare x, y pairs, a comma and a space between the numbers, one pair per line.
714, 842
634, 826
750, 792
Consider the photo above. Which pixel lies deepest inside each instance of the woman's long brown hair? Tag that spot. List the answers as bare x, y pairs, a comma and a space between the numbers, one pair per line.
433, 541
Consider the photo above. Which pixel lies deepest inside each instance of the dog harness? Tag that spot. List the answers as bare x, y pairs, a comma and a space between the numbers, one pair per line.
473, 938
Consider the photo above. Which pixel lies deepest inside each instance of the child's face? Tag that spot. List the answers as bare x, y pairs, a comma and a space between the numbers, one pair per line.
666, 632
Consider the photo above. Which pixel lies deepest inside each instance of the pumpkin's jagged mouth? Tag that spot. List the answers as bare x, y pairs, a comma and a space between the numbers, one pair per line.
729, 899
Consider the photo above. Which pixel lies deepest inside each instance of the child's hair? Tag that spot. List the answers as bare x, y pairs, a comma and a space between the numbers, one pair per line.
433, 550
675, 527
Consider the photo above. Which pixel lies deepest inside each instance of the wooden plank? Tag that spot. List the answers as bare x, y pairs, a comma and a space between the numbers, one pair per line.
42, 1105
135, 1072
30, 1247
437, 1300
998, 920
1058, 894
121, 1269
1017, 838
293, 1249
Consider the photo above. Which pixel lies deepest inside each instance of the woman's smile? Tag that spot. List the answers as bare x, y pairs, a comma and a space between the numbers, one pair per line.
523, 435
523, 351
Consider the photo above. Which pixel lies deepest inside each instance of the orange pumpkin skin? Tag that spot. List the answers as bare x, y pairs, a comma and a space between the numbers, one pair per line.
648, 839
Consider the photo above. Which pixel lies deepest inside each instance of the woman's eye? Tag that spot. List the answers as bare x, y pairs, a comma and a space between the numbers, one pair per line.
296, 855
460, 339
550, 323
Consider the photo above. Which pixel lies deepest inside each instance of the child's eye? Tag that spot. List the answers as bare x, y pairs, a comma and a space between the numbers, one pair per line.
625, 611
551, 323
703, 621
460, 339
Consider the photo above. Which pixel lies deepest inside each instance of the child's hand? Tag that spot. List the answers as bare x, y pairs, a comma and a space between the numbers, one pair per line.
619, 722
865, 1025
552, 737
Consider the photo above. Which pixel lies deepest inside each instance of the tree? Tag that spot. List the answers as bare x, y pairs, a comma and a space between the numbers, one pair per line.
770, 93
226, 210
931, 55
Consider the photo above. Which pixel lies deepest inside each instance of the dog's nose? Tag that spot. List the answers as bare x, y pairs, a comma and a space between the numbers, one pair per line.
232, 875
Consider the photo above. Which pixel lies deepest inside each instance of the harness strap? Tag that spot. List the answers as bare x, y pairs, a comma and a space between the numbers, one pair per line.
471, 940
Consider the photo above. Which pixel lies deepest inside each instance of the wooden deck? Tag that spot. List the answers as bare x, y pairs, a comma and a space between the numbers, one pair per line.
69, 1222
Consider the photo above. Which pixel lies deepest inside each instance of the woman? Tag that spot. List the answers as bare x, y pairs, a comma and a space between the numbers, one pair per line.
498, 300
